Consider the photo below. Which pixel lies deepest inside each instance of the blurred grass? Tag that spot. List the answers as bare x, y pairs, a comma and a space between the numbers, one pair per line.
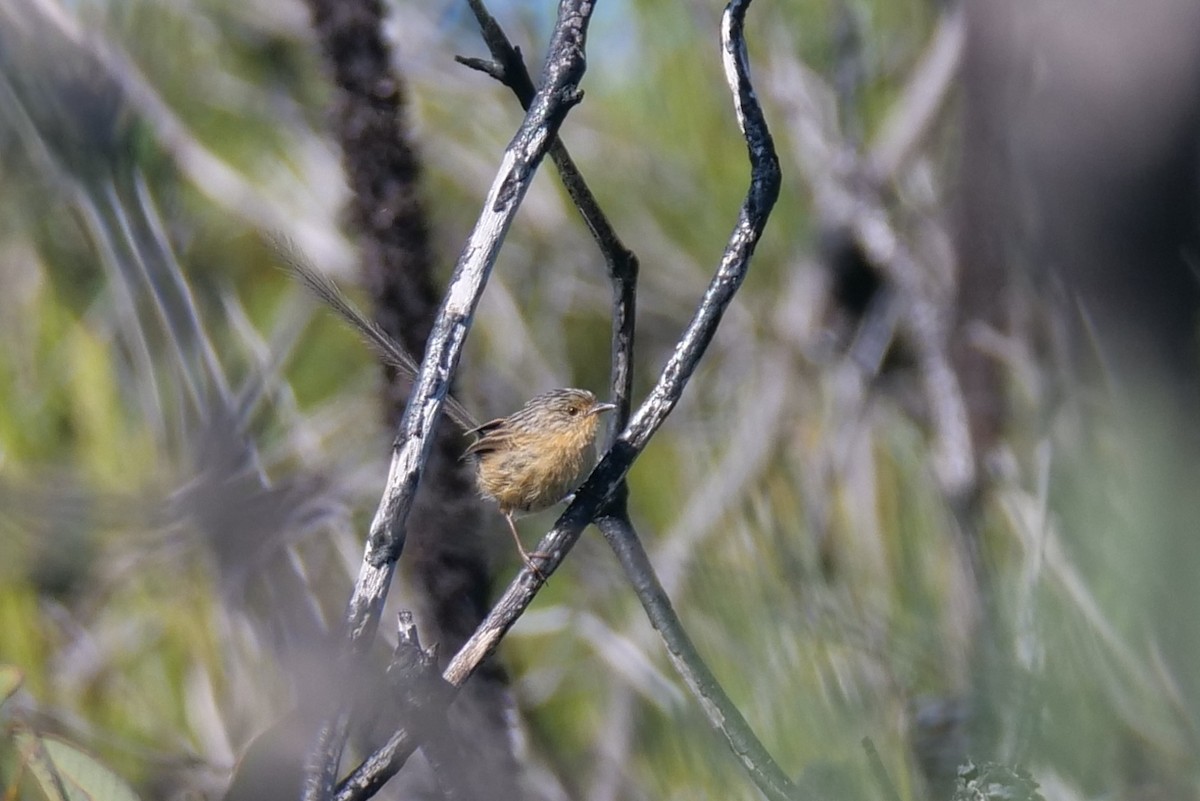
828, 591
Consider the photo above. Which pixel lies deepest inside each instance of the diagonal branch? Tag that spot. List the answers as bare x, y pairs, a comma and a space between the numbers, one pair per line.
561, 75
722, 713
720, 710
609, 475
764, 189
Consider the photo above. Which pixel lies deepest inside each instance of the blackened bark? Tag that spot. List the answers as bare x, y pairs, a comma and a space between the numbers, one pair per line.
446, 556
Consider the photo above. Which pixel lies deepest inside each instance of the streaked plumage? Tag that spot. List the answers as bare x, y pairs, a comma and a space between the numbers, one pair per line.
527, 461
536, 456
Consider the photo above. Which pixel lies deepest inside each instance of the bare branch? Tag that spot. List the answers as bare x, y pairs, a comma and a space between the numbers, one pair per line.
722, 713
764, 188
720, 710
424, 698
374, 772
562, 73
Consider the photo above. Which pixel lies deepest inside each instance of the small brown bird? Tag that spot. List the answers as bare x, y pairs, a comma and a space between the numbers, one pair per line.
536, 456
525, 462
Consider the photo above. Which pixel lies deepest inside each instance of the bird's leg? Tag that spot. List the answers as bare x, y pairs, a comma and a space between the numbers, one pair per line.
526, 557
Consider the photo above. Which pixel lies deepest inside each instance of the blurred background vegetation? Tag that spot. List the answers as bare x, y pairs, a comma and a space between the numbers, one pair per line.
177, 417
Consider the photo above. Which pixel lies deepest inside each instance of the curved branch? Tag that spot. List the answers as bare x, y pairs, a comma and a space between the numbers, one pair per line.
720, 710
764, 189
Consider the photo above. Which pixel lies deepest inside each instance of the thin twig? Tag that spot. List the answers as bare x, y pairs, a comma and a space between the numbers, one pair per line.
423, 698
720, 710
561, 75
509, 68
753, 442
722, 713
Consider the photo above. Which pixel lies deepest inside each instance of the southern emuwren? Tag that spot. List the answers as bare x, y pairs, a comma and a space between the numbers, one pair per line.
525, 462
536, 456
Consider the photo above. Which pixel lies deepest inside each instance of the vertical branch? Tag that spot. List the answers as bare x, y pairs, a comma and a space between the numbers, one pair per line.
722, 713
561, 75
735, 263
386, 210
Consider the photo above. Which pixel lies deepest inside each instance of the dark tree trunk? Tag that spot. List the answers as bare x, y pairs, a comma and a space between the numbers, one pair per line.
445, 554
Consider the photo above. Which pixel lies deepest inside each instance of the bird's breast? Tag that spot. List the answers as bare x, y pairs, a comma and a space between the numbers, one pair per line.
534, 476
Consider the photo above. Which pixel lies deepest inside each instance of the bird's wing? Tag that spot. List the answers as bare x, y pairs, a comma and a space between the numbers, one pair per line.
492, 435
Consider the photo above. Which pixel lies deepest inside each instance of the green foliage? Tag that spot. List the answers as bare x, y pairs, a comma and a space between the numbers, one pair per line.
64, 773
59, 769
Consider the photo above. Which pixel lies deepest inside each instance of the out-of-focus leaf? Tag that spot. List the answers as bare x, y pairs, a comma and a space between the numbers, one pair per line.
10, 681
33, 753
61, 767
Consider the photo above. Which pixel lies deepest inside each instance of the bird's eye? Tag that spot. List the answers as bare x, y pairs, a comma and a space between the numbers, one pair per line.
572, 410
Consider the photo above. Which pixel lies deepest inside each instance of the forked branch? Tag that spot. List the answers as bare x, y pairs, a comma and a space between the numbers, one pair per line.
508, 67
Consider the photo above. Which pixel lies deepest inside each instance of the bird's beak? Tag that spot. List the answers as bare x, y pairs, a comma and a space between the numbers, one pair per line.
600, 408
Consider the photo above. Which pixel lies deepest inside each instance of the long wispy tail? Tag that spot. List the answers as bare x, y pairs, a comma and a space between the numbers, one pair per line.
384, 345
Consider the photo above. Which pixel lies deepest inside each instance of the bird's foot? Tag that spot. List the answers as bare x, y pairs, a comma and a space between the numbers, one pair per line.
528, 558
